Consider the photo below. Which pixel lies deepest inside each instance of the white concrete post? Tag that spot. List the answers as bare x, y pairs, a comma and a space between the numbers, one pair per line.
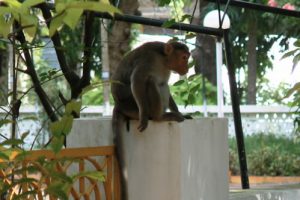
219, 63
169, 160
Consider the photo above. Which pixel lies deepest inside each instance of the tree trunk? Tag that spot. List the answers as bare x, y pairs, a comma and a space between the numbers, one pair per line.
119, 37
205, 57
4, 58
204, 54
252, 63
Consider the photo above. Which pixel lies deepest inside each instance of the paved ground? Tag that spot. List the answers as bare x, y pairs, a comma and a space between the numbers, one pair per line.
266, 192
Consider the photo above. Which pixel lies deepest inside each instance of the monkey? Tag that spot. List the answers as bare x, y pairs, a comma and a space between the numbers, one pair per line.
140, 91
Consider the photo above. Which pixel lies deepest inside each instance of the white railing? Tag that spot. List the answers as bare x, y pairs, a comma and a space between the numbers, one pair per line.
255, 119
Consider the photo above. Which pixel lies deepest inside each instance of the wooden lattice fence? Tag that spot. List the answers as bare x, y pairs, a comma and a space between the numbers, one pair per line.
68, 161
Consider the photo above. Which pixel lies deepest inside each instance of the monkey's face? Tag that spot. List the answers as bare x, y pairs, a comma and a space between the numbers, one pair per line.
180, 62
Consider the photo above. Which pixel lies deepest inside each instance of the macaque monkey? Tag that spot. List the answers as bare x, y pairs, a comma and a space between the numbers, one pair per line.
141, 92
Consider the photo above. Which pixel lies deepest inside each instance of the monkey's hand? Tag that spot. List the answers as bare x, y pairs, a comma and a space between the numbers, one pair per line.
143, 124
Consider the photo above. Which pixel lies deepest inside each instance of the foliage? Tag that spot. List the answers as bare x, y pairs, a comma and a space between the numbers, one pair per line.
12, 155
295, 53
67, 13
36, 172
268, 154
269, 95
295, 90
269, 28
60, 23
69, 25
189, 91
61, 128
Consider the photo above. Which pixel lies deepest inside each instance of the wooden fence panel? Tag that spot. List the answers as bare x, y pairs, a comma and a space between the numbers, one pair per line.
71, 162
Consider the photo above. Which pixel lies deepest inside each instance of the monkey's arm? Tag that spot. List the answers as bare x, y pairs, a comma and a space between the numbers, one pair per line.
172, 105
138, 87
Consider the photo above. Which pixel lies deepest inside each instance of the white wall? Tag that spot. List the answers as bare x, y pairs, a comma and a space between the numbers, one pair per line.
169, 160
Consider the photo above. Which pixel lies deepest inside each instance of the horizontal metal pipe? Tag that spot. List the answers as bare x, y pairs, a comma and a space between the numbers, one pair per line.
159, 23
256, 6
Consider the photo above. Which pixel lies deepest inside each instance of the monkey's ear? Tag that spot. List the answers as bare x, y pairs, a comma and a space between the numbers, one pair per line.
168, 49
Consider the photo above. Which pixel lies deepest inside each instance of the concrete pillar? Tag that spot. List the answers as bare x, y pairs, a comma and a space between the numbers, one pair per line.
169, 160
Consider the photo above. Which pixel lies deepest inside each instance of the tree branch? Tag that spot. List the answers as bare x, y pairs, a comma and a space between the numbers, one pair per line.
34, 78
88, 42
71, 77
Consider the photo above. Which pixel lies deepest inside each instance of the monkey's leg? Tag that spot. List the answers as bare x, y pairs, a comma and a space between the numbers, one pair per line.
129, 108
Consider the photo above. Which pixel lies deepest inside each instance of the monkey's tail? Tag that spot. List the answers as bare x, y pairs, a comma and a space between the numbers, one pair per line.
118, 120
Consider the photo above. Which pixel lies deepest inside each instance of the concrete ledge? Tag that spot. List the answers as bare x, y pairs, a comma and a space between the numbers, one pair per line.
267, 179
169, 160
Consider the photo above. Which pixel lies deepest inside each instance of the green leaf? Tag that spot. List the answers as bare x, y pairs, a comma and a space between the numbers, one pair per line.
94, 6
295, 88
24, 135
12, 142
5, 121
52, 72
195, 89
29, 3
10, 152
163, 2
60, 7
68, 123
4, 156
62, 127
185, 17
72, 17
297, 43
61, 177
168, 23
91, 87
22, 170
58, 189
57, 144
34, 118
191, 98
30, 23
178, 83
12, 3
5, 27
194, 76
73, 106
190, 36
26, 180
56, 23
192, 64
96, 175
56, 128
290, 53
3, 165
296, 59
4, 11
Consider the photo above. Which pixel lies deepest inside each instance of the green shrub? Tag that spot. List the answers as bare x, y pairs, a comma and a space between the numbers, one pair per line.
267, 154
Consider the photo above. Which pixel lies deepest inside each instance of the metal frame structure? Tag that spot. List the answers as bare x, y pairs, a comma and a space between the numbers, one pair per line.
230, 65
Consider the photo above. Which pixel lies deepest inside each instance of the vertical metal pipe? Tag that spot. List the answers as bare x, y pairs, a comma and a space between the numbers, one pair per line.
236, 113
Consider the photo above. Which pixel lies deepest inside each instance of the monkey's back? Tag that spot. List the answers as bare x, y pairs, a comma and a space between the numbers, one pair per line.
144, 62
